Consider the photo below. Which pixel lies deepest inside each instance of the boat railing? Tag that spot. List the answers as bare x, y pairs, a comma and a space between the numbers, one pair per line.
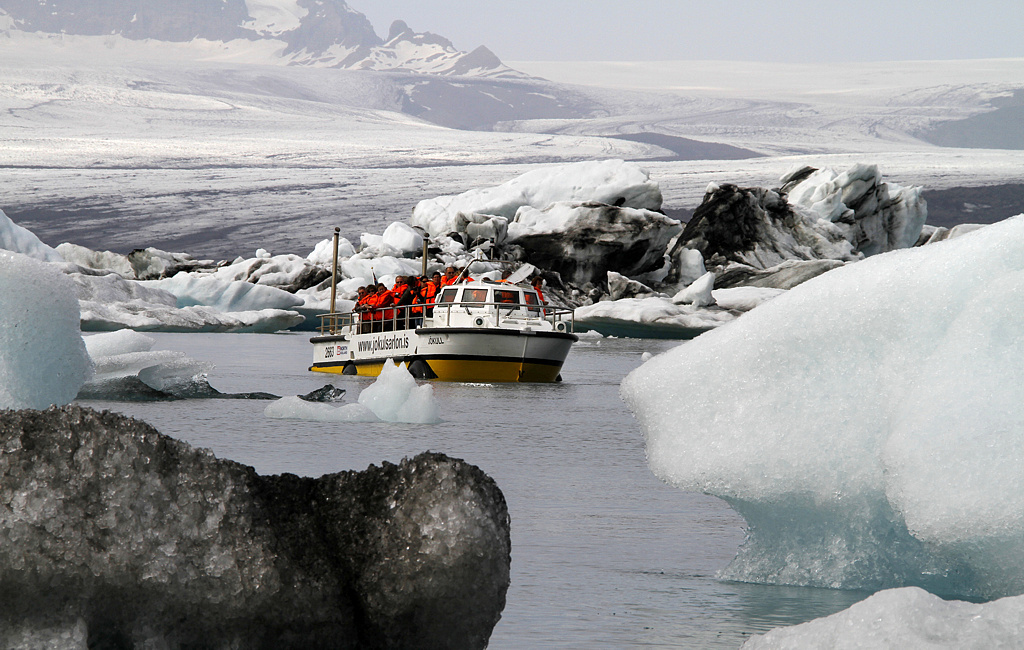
392, 318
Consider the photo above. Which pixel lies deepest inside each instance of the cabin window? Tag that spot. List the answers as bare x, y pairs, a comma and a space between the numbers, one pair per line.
448, 295
506, 297
531, 299
474, 295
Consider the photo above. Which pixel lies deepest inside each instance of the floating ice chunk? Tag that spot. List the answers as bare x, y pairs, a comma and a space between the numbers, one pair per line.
16, 239
402, 237
97, 260
225, 296
655, 318
698, 293
607, 181
323, 252
744, 298
905, 618
43, 359
296, 408
393, 397
868, 423
646, 356
119, 342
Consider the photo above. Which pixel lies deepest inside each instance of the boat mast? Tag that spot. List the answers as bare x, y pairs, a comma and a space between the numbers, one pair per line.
334, 271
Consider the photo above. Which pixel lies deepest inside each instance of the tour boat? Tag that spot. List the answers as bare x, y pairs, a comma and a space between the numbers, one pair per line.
477, 331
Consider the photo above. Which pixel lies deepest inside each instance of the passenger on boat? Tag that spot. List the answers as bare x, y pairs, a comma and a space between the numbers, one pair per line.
363, 295
537, 283
428, 291
406, 292
383, 319
450, 275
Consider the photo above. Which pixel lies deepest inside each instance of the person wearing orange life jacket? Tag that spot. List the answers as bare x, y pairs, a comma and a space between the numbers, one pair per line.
406, 293
537, 283
450, 275
428, 292
383, 319
363, 309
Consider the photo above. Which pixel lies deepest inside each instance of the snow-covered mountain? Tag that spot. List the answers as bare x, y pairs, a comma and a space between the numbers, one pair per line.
324, 33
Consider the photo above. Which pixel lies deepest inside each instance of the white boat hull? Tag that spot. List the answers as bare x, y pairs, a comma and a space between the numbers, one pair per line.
484, 354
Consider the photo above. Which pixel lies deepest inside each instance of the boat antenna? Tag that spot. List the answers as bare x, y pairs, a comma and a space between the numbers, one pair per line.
334, 271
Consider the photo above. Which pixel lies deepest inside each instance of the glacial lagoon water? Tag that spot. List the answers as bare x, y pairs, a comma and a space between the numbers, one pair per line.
603, 553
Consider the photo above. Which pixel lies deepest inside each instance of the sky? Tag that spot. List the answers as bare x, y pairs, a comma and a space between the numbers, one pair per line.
745, 30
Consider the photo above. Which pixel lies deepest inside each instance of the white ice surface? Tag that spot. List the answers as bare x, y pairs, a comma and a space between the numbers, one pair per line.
604, 181
43, 359
223, 295
868, 423
698, 293
17, 239
649, 318
126, 353
910, 618
393, 397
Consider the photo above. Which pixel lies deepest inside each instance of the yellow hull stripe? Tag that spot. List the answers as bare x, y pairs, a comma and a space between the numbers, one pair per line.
469, 370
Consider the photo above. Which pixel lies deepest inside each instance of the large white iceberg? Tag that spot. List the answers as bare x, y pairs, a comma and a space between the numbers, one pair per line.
43, 359
909, 617
875, 216
614, 182
868, 424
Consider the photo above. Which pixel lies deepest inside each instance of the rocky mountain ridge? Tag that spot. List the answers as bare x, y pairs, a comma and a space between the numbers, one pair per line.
323, 33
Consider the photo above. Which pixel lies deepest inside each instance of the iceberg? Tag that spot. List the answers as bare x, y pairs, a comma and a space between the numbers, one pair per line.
43, 359
114, 531
650, 318
614, 182
393, 397
17, 239
582, 241
867, 424
908, 617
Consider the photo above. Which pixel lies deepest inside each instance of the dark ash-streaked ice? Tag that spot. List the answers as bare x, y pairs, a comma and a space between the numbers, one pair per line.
114, 535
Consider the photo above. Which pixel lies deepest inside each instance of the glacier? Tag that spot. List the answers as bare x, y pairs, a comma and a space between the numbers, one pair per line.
867, 424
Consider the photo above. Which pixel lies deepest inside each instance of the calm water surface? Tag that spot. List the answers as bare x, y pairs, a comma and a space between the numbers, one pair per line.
603, 554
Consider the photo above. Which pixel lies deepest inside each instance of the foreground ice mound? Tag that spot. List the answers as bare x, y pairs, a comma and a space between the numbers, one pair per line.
393, 397
43, 360
868, 424
614, 182
905, 618
148, 543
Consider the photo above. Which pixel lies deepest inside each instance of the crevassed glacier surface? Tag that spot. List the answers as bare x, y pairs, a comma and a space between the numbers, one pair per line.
868, 424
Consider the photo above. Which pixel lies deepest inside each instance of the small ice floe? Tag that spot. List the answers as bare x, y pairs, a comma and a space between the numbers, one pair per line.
128, 369
906, 618
393, 397
646, 356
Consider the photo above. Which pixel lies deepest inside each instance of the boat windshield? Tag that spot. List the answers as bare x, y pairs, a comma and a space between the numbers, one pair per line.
474, 295
448, 295
506, 297
531, 299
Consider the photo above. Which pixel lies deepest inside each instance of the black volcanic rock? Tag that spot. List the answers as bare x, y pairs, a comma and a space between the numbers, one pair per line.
122, 537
